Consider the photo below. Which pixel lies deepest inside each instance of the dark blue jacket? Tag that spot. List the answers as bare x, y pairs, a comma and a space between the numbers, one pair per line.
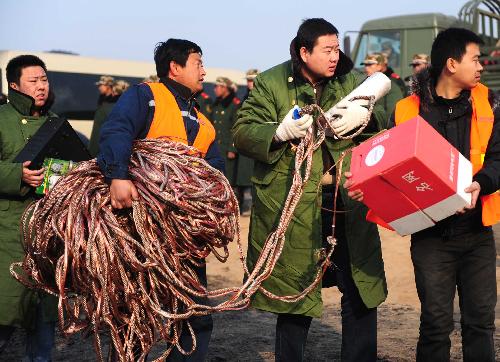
131, 119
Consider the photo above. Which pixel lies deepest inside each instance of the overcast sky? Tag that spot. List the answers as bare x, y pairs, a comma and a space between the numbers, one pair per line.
232, 34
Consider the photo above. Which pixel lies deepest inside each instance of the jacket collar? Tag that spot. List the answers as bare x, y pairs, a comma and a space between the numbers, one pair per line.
225, 102
24, 104
178, 89
424, 86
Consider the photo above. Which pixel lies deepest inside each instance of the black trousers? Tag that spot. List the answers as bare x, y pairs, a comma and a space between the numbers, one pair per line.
468, 263
359, 323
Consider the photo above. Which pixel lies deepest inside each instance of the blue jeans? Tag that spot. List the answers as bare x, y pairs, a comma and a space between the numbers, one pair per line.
39, 341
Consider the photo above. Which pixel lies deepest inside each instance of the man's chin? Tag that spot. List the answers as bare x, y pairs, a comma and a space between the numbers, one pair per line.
329, 73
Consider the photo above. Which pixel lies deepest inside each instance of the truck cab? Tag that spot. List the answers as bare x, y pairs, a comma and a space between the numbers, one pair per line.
400, 37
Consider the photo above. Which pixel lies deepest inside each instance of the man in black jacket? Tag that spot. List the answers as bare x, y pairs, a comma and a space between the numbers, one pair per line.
459, 251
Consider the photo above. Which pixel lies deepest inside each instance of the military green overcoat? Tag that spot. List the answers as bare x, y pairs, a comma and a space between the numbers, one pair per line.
17, 303
275, 92
223, 117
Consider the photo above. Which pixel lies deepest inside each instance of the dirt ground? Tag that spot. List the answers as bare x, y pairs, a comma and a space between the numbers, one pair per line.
249, 335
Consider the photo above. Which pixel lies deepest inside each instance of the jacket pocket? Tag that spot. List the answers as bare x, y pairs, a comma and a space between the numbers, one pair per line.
263, 178
4, 204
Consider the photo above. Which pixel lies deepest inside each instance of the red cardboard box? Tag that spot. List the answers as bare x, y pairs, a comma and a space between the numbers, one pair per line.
411, 176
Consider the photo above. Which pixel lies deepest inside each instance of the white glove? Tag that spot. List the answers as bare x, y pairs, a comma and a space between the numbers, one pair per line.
291, 128
351, 114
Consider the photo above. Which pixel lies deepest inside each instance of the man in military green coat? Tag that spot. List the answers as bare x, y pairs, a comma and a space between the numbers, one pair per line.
27, 110
223, 116
266, 131
102, 112
377, 62
205, 103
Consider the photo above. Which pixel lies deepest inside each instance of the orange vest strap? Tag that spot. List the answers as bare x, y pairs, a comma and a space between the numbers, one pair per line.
491, 208
481, 127
406, 109
168, 122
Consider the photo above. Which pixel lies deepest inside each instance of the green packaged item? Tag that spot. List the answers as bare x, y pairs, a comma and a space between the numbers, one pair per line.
54, 169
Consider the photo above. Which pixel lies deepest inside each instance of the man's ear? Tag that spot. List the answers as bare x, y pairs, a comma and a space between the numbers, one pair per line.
304, 54
14, 85
451, 65
174, 68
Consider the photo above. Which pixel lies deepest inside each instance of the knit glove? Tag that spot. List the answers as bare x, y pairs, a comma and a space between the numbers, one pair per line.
350, 116
291, 128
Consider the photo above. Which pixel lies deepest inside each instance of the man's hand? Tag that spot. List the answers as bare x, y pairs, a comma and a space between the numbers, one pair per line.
290, 128
231, 155
474, 190
356, 195
122, 193
33, 178
350, 116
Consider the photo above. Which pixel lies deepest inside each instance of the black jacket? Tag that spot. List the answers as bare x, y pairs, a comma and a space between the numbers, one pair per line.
452, 119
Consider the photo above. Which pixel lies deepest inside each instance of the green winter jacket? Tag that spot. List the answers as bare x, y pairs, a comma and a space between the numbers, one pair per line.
388, 102
101, 115
17, 303
276, 91
223, 117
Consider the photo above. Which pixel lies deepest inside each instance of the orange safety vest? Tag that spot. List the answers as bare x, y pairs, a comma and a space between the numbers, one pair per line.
481, 128
168, 123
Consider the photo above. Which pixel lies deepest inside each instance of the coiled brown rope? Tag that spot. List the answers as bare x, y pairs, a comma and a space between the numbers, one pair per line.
132, 271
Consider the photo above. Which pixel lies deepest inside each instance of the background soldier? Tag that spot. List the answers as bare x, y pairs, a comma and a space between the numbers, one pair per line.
250, 77
377, 62
419, 62
105, 87
223, 116
205, 102
102, 113
245, 164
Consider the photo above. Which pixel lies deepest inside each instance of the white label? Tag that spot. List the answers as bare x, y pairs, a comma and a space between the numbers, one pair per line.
375, 155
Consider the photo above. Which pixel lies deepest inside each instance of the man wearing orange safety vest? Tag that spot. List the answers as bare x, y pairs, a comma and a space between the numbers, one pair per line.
458, 252
162, 109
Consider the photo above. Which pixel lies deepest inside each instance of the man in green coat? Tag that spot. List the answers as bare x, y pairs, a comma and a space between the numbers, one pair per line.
223, 116
27, 110
102, 112
376, 62
266, 131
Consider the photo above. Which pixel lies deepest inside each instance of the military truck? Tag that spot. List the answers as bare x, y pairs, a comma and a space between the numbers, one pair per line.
403, 36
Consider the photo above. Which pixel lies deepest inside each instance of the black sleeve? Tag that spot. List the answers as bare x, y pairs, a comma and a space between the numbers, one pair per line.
489, 176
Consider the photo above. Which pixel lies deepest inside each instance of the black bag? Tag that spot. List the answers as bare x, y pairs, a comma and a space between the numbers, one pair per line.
56, 139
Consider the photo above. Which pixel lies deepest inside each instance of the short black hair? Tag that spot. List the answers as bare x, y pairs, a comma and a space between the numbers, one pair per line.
17, 64
450, 43
176, 50
309, 32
